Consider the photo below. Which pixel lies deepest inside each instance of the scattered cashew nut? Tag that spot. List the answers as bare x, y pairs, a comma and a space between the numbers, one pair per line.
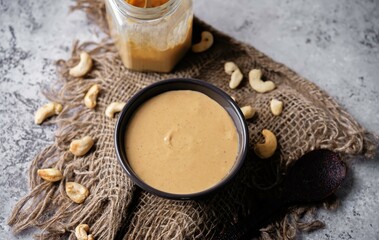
205, 43
276, 107
232, 69
46, 111
90, 237
257, 84
234, 98
235, 79
50, 174
83, 67
81, 146
248, 112
81, 231
113, 108
91, 95
268, 148
76, 192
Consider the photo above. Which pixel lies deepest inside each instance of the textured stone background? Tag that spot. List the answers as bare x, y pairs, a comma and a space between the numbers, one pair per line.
333, 43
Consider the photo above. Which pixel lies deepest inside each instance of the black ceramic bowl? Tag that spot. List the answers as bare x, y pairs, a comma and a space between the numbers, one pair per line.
181, 84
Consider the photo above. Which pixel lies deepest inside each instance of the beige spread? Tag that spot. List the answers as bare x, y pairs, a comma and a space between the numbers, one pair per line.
139, 57
156, 45
181, 142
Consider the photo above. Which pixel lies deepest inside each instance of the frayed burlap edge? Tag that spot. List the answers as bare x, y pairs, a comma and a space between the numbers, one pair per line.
47, 205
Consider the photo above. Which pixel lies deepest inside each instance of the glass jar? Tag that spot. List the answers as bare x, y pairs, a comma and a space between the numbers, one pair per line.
151, 39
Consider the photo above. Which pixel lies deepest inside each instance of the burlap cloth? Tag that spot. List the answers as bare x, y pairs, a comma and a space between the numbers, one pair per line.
116, 208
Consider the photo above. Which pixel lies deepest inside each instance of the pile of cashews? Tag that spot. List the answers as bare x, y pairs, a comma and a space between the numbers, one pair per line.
268, 148
76, 192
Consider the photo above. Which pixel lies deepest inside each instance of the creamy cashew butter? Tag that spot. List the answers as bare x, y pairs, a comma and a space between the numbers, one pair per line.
181, 142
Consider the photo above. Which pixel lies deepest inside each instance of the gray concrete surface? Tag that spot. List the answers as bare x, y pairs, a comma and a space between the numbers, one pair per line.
333, 43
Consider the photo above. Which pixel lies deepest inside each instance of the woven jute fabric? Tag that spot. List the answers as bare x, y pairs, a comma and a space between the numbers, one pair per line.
117, 209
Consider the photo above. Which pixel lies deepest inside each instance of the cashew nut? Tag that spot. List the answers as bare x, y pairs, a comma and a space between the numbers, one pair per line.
248, 112
235, 79
76, 192
90, 98
46, 111
205, 43
83, 67
266, 149
81, 146
113, 108
234, 98
90, 237
276, 107
50, 174
81, 231
257, 84
232, 69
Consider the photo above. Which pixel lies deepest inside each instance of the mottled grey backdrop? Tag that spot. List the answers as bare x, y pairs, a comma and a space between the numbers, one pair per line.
333, 43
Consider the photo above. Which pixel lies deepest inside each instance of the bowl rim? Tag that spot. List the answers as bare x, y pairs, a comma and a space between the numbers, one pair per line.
119, 137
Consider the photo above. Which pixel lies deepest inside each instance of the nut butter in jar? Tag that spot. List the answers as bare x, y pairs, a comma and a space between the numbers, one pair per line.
152, 37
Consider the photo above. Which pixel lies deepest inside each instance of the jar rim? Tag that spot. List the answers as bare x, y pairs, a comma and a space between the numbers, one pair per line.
154, 13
